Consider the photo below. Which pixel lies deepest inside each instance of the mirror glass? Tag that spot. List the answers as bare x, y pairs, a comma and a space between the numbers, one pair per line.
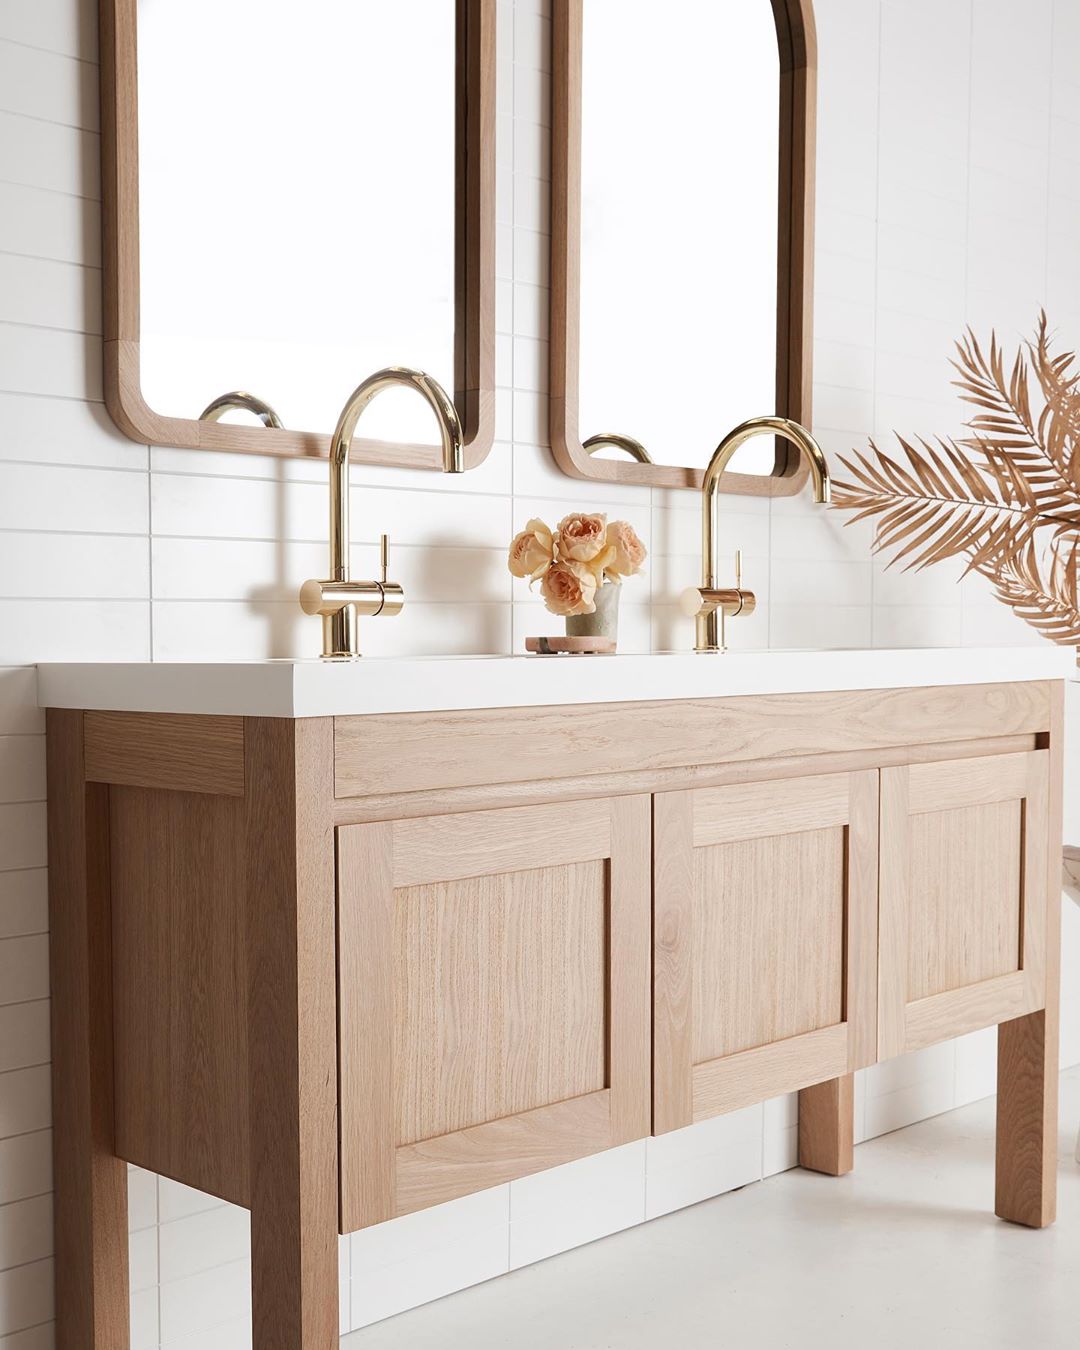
297, 208
679, 186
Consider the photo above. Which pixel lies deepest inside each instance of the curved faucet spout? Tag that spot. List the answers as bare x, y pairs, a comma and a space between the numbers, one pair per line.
341, 445
708, 605
243, 402
722, 457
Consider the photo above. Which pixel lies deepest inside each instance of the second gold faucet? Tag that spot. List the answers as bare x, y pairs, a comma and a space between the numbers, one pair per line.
338, 599
708, 605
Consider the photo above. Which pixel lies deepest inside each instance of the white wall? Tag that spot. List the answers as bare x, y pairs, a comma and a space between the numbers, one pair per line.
947, 192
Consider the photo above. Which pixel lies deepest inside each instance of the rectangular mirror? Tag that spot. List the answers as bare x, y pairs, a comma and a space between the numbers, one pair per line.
294, 197
682, 170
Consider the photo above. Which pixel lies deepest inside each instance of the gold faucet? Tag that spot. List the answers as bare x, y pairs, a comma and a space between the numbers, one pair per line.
708, 605
244, 403
339, 600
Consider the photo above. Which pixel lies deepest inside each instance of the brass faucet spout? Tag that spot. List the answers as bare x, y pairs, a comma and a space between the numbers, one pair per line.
708, 615
341, 445
337, 598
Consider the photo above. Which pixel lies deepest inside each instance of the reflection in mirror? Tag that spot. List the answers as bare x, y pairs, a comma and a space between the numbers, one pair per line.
614, 441
679, 170
297, 203
239, 401
682, 235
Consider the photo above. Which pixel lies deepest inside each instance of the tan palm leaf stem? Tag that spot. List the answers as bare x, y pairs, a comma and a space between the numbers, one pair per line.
994, 496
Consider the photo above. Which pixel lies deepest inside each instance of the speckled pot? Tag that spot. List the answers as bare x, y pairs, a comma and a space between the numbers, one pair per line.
604, 622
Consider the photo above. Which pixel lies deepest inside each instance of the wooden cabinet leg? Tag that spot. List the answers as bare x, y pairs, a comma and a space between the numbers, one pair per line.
90, 1182
1027, 1077
827, 1126
1027, 1120
292, 1009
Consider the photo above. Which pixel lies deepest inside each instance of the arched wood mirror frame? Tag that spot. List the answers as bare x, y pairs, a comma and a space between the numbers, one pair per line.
795, 259
474, 262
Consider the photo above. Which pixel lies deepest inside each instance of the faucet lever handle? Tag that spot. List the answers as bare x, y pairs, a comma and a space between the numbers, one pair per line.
738, 569
384, 557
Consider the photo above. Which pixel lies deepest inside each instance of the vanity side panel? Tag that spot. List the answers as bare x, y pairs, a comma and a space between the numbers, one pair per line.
180, 981
179, 752
417, 752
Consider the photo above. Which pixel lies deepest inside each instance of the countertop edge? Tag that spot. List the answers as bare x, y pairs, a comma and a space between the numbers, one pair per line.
303, 689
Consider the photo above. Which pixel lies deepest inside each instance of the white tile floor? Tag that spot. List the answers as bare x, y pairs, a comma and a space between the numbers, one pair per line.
904, 1252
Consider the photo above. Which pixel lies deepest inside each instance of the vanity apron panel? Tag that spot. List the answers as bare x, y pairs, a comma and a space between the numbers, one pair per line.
417, 752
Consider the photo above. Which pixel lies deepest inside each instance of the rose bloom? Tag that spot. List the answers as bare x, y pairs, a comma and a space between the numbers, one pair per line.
580, 538
569, 588
531, 550
628, 550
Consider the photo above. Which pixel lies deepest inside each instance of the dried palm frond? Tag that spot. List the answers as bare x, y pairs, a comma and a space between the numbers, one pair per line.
988, 497
1052, 606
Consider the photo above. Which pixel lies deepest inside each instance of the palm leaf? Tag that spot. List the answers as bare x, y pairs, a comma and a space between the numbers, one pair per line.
1042, 451
1051, 607
987, 497
939, 509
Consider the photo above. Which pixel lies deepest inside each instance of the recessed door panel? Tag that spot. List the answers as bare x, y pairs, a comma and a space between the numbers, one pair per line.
765, 940
494, 973
963, 885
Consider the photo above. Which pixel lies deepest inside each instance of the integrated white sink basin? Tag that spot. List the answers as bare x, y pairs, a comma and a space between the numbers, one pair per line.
432, 684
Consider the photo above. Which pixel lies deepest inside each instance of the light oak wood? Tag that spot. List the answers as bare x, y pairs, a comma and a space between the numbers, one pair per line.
514, 1017
90, 1217
175, 752
724, 1085
795, 234
474, 333
764, 926
493, 970
1027, 1102
827, 1126
962, 845
768, 940
417, 752
536, 792
436, 1170
673, 960
446, 848
964, 921
179, 975
292, 1010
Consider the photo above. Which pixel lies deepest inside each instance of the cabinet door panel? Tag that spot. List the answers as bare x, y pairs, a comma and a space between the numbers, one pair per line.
494, 994
764, 940
963, 884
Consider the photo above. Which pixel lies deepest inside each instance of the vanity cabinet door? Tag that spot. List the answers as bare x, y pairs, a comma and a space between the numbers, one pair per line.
494, 988
764, 940
963, 896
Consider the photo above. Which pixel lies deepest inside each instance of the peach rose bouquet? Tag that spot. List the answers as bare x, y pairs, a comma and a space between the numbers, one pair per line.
574, 560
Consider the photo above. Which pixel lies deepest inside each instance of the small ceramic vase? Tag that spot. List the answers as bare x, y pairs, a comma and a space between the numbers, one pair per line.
604, 621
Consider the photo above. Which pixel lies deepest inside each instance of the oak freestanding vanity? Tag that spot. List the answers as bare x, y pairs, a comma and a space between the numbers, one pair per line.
338, 942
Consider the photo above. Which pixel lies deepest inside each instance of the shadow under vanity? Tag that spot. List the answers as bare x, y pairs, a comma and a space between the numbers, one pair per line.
337, 966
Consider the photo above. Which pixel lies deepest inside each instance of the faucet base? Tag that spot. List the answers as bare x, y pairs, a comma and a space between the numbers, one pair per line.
341, 636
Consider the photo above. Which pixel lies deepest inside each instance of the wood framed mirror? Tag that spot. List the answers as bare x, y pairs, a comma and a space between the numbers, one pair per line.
294, 197
682, 236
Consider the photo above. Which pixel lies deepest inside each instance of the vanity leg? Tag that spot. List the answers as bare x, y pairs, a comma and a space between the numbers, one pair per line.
1027, 1120
293, 1033
90, 1182
827, 1126
1028, 1068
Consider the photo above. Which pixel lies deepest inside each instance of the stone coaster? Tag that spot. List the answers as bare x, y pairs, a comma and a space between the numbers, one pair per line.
574, 646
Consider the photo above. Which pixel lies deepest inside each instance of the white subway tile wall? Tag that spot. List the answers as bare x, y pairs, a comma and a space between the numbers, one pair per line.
946, 194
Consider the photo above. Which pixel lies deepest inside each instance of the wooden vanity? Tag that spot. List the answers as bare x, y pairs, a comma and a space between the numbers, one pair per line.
337, 968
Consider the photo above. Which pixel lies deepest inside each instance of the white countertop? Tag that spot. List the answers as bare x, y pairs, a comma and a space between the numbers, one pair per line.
441, 683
